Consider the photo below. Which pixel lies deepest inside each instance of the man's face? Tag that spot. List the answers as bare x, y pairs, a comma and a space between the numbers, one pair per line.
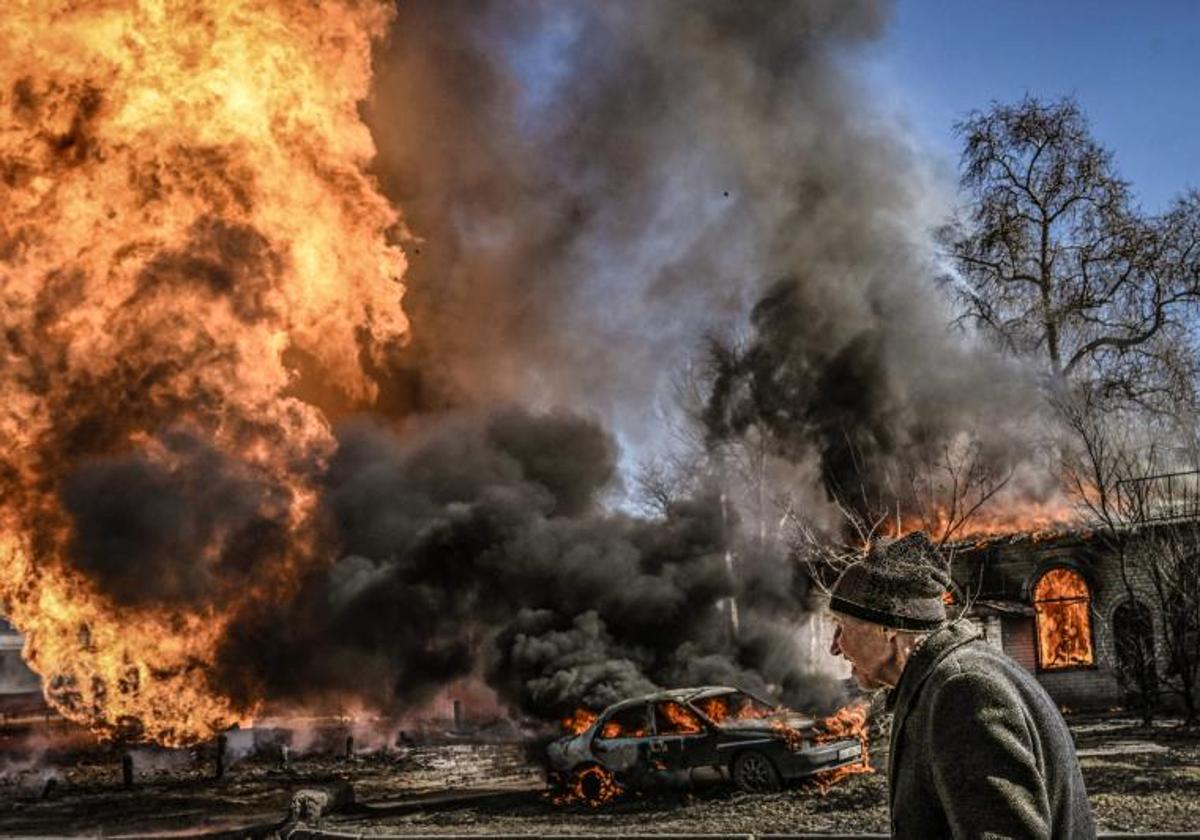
869, 648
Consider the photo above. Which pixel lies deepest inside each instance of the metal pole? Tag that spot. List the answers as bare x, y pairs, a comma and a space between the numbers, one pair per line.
222, 743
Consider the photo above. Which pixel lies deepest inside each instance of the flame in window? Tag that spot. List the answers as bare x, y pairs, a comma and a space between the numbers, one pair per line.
1061, 602
674, 719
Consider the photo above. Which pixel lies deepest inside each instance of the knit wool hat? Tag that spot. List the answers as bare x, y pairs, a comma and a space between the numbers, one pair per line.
899, 584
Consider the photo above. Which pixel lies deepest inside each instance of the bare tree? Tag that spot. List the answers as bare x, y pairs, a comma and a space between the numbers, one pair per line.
1167, 559
943, 494
1054, 261
1101, 456
752, 407
1150, 519
1136, 663
952, 488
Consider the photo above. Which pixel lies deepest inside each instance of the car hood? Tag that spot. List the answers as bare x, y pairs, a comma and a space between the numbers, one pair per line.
770, 723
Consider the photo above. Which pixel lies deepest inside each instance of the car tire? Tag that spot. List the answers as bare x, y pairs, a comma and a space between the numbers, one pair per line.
588, 782
589, 785
753, 772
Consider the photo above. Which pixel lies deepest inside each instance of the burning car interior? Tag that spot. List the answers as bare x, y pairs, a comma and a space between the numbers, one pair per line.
459, 414
660, 739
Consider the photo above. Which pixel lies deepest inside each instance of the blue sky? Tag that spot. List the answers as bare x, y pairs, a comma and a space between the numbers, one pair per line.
1134, 67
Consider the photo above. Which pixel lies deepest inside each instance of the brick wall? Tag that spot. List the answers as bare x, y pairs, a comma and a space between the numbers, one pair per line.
1009, 573
1082, 688
1004, 572
1017, 633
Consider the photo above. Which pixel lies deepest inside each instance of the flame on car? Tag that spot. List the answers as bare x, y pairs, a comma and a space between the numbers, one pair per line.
681, 720
578, 721
593, 786
718, 711
847, 722
613, 729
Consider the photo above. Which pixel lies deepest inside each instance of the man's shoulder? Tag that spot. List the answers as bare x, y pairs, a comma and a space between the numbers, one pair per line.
977, 666
974, 654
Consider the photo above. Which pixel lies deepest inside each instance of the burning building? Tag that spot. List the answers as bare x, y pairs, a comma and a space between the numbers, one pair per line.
1041, 602
1102, 616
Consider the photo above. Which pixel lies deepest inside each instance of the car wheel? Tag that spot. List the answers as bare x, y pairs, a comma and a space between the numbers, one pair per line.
753, 772
593, 784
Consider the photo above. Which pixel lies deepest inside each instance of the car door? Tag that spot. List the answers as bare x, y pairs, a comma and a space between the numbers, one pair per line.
681, 738
622, 737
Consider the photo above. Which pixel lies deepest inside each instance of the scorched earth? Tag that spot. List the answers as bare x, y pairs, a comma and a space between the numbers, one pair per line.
1138, 780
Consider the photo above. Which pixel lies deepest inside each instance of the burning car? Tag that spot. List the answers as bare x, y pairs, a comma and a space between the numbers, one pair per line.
662, 737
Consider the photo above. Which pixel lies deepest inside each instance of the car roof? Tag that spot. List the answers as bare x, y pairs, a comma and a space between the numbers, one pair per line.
677, 694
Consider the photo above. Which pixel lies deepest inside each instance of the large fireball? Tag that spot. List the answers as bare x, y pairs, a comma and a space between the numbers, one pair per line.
187, 228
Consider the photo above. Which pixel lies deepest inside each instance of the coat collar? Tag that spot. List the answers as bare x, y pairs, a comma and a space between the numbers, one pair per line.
936, 647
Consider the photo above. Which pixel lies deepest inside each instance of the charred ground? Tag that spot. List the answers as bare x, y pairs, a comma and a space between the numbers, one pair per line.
1138, 780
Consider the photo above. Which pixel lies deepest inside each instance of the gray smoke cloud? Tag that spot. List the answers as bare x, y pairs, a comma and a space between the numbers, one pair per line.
588, 191
593, 188
467, 547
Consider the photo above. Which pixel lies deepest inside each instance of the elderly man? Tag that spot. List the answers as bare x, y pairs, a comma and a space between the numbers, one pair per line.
978, 748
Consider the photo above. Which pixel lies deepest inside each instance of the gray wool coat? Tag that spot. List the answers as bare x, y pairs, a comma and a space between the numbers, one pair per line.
979, 749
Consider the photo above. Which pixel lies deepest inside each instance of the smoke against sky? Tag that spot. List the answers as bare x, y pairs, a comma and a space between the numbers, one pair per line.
594, 188
569, 246
585, 192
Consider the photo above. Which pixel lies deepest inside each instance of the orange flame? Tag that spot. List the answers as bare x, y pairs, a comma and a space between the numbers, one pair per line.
187, 225
999, 518
612, 729
679, 720
1060, 602
847, 722
714, 708
593, 786
717, 710
578, 721
793, 737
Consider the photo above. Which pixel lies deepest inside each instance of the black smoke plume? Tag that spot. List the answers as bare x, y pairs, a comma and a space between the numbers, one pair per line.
593, 188
150, 534
588, 190
483, 542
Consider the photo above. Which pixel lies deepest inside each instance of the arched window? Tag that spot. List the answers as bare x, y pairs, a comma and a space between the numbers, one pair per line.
1133, 646
1062, 608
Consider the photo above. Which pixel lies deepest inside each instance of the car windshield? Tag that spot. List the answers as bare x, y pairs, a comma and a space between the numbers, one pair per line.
625, 723
671, 718
733, 705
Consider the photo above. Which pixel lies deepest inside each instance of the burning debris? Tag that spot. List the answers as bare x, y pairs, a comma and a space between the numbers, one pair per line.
661, 739
593, 786
847, 722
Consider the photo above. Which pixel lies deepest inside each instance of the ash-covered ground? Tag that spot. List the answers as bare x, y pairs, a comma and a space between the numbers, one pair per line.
1139, 780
